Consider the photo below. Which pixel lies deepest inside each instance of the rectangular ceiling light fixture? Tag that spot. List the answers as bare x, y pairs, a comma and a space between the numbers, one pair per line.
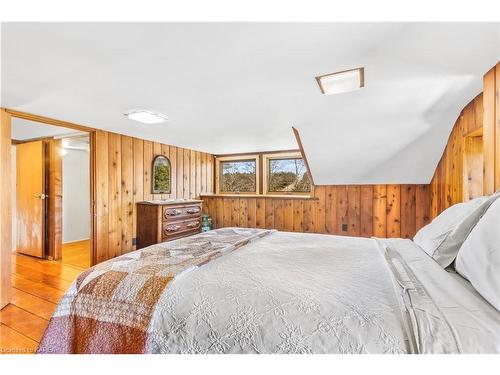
146, 117
339, 82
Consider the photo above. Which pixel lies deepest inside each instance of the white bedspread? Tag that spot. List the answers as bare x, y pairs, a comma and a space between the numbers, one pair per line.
310, 293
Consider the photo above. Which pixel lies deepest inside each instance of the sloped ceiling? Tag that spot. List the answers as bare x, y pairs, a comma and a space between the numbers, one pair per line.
240, 87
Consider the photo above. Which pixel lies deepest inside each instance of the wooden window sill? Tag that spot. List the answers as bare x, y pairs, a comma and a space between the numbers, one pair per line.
260, 196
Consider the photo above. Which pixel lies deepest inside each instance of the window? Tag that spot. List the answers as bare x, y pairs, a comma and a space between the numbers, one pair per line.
238, 175
285, 174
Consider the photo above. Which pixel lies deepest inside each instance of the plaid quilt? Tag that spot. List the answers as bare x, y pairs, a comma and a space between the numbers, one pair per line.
109, 307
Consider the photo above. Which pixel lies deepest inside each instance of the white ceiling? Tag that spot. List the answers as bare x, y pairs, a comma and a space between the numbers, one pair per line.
239, 87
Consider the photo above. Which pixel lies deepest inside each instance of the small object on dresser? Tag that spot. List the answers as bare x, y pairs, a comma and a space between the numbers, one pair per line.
206, 223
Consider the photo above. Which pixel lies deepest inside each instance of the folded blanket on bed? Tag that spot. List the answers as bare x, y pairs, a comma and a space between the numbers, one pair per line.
108, 308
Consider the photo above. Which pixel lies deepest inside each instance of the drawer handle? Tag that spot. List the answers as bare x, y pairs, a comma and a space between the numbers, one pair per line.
172, 228
173, 212
193, 211
193, 224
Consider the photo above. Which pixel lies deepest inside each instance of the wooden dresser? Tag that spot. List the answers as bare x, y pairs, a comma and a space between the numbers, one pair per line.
166, 220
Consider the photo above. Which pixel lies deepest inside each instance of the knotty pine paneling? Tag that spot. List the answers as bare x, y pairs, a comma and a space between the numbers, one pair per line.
497, 127
491, 130
482, 113
447, 185
54, 209
114, 194
367, 210
5, 209
123, 177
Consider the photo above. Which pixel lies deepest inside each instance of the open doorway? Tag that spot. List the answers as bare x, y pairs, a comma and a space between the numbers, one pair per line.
76, 200
51, 212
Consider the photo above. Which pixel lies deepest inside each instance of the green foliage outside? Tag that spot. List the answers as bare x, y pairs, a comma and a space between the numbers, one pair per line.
238, 177
161, 177
289, 182
285, 175
288, 175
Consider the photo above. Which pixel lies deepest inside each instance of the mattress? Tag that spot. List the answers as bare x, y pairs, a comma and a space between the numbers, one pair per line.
274, 292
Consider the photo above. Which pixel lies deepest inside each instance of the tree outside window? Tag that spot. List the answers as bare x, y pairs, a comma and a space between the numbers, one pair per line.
282, 173
238, 176
288, 175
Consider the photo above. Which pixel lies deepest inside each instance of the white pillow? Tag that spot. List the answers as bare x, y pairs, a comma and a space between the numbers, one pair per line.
478, 259
442, 238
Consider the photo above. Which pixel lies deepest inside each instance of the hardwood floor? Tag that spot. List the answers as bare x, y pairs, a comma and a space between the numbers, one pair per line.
76, 253
38, 285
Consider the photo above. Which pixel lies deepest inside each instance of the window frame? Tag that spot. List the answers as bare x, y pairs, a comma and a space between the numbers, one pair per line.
218, 171
266, 158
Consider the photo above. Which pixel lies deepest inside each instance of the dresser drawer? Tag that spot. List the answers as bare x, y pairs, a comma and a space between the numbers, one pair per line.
178, 227
180, 213
167, 220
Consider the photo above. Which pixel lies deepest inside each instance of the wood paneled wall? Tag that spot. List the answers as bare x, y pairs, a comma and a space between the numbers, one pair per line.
480, 115
447, 185
491, 130
54, 147
122, 170
5, 208
354, 210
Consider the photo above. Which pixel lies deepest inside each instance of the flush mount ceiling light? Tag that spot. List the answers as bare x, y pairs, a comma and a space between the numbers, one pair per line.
339, 82
146, 117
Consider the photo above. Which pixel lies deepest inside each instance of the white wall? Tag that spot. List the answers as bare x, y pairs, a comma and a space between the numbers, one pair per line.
14, 203
76, 195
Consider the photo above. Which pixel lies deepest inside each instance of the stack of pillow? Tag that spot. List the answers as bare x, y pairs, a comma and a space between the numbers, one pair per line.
469, 234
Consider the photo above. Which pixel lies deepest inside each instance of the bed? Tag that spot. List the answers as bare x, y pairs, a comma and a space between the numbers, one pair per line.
241, 290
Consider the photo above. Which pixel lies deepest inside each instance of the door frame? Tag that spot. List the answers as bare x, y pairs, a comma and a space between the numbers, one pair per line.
10, 113
5, 209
